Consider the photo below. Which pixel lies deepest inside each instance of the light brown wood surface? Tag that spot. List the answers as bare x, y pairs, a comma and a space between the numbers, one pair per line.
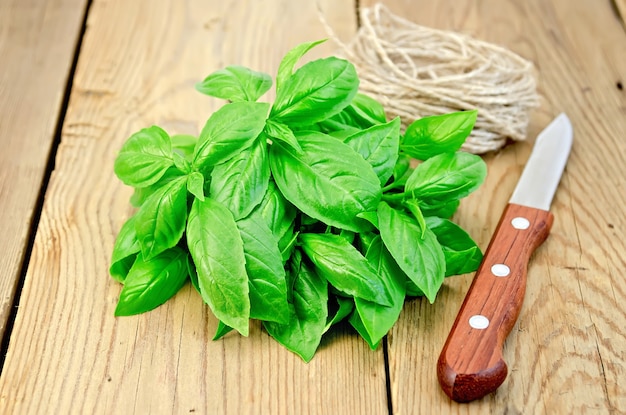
68, 354
137, 67
37, 43
567, 354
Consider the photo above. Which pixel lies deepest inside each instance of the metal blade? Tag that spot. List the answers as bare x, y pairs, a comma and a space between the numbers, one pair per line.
541, 176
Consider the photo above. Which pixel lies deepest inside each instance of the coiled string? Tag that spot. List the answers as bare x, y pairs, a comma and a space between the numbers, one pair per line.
416, 71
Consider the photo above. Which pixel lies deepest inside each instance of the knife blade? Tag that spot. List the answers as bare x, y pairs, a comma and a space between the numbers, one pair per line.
471, 363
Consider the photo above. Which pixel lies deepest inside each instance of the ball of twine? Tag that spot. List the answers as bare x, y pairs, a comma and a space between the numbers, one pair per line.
416, 71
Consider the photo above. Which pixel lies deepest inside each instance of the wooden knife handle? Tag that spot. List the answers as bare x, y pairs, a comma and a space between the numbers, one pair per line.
471, 365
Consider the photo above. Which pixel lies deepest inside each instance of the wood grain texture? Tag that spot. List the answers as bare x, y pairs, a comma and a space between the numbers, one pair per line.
37, 43
139, 61
68, 354
620, 10
567, 354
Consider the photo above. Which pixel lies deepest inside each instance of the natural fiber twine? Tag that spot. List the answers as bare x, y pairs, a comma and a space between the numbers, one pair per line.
416, 71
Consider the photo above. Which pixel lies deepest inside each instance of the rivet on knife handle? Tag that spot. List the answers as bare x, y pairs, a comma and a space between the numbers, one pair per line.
471, 364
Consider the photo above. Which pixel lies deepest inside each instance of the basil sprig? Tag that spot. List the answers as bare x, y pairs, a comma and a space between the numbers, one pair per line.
300, 214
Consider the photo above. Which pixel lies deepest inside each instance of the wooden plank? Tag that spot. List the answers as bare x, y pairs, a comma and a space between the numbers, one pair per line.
566, 354
37, 43
620, 10
68, 354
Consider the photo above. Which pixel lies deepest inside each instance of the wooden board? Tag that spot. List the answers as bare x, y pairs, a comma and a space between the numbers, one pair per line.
68, 353
567, 352
138, 65
37, 43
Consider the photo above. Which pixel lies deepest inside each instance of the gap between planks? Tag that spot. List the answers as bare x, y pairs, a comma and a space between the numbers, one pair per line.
38, 207
66, 121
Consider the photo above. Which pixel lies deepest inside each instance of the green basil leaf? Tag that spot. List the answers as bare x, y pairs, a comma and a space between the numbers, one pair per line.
359, 326
217, 251
379, 147
362, 113
277, 131
278, 213
120, 269
231, 129
378, 319
340, 126
235, 83
328, 181
402, 170
461, 252
443, 209
343, 310
447, 177
308, 222
308, 314
347, 235
285, 69
125, 251
195, 184
144, 158
241, 182
438, 134
184, 145
416, 251
342, 133
312, 127
267, 280
141, 194
344, 267
193, 273
280, 216
160, 222
412, 290
365, 241
152, 282
316, 91
287, 244
413, 206
222, 330
371, 217
181, 163
366, 111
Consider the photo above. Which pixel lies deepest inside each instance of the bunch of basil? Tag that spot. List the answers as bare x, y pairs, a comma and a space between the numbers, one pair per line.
299, 214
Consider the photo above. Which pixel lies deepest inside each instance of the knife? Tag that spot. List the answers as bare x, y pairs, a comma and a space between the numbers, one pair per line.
471, 364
